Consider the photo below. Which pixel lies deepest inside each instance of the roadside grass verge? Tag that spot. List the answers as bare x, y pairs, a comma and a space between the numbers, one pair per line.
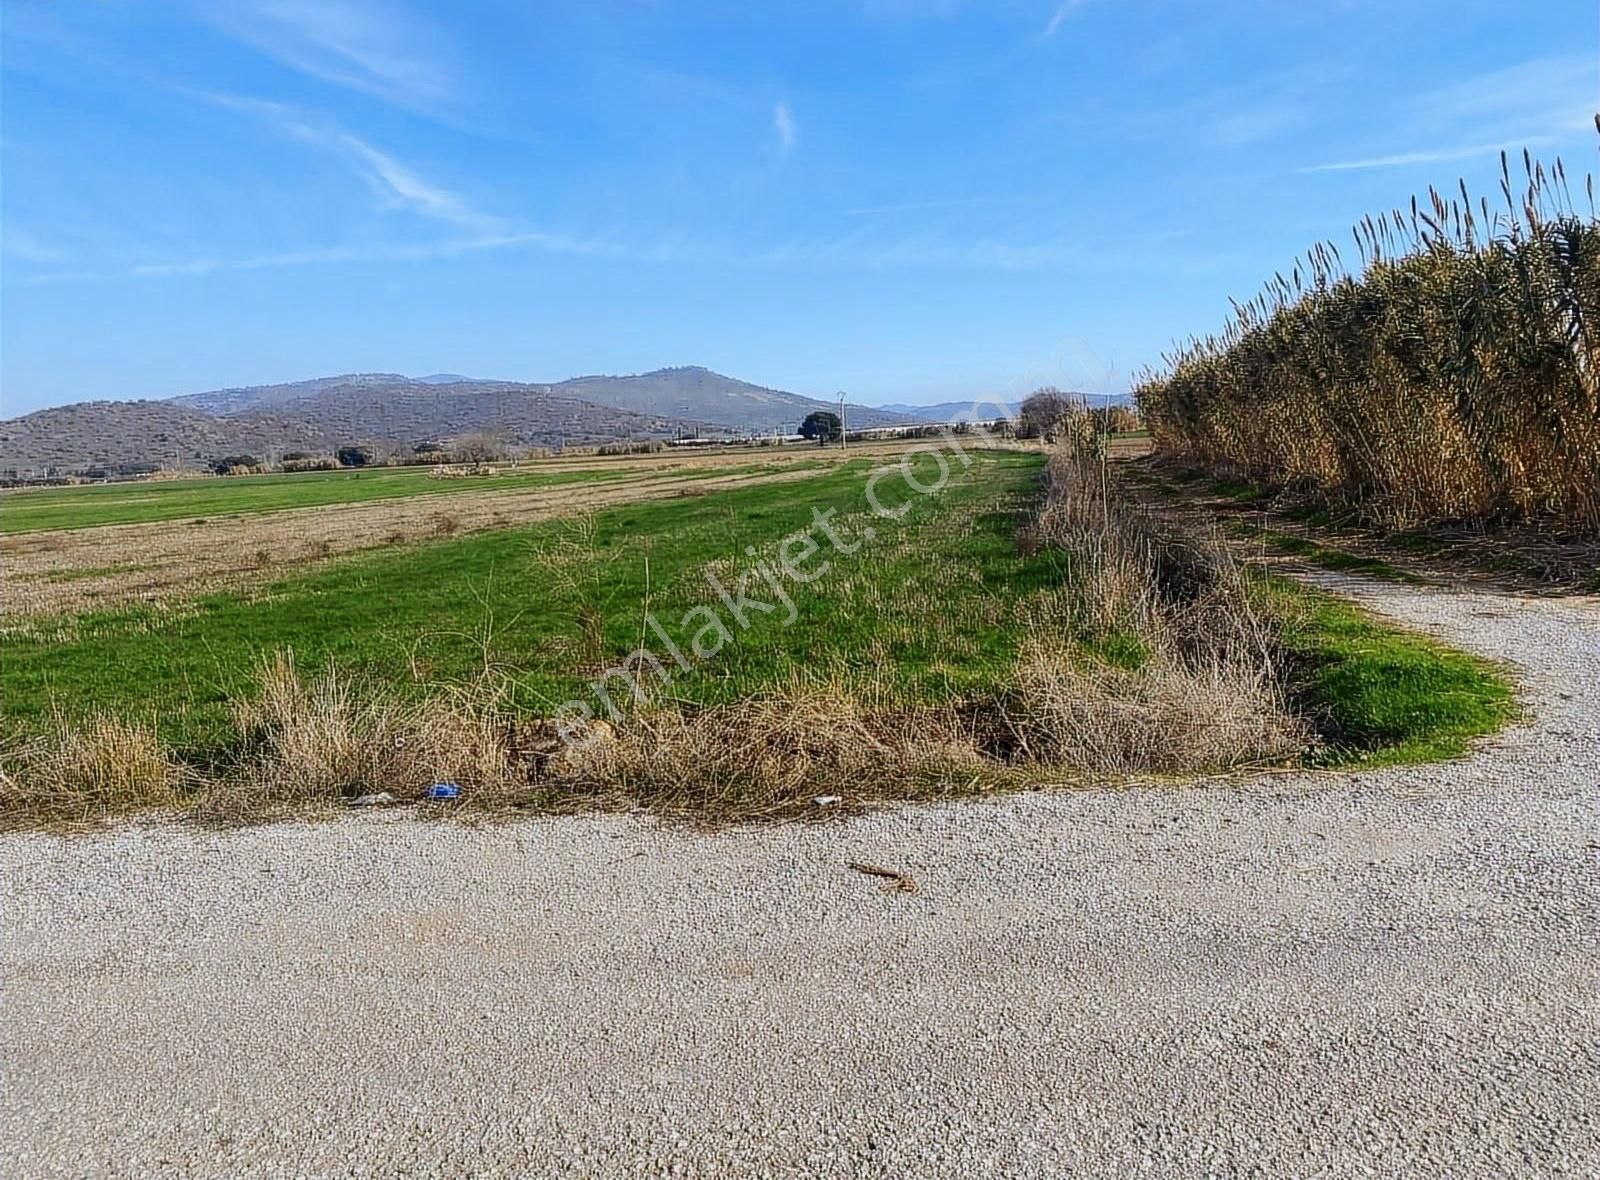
1523, 557
1380, 695
1022, 626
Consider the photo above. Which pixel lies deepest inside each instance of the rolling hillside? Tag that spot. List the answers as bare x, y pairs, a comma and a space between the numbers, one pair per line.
392, 411
689, 394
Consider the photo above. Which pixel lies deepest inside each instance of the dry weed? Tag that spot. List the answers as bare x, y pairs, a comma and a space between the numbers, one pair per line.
94, 769
1168, 716
770, 754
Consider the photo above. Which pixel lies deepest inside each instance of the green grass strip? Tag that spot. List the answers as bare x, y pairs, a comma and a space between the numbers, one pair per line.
1384, 696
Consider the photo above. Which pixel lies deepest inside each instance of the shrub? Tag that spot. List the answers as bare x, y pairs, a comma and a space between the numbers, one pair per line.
482, 447
630, 448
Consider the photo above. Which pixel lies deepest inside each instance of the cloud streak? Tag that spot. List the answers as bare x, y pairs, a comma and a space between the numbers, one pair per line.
1533, 104
1429, 156
783, 126
920, 206
346, 43
1059, 18
336, 255
396, 185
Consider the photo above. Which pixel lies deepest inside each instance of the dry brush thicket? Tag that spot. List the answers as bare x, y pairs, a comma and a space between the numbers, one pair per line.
1454, 378
1199, 681
1148, 656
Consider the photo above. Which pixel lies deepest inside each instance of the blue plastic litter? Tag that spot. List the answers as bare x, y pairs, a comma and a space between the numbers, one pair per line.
444, 791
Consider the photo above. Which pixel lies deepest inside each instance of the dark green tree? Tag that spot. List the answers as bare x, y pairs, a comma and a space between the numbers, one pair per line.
823, 426
353, 456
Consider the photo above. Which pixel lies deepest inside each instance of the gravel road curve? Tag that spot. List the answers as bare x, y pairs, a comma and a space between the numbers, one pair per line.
1388, 974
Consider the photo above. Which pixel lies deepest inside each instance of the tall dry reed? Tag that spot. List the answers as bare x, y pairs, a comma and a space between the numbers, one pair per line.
1454, 378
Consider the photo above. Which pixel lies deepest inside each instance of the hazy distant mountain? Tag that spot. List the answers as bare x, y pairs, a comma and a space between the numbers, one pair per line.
694, 392
689, 394
392, 410
117, 435
960, 411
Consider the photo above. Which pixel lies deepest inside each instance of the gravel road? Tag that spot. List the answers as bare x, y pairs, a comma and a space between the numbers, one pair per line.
1385, 974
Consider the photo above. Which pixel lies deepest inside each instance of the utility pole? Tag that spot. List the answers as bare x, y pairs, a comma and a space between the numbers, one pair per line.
844, 426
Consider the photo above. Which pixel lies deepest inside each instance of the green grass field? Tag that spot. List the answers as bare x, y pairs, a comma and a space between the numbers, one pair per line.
553, 605
83, 506
932, 608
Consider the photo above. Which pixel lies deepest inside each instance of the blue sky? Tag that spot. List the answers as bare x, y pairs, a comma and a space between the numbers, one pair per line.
907, 200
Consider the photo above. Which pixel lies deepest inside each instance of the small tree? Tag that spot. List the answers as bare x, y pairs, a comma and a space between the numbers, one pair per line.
1047, 413
353, 456
823, 426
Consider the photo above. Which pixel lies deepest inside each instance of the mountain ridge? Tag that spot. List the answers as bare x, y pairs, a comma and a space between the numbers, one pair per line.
394, 412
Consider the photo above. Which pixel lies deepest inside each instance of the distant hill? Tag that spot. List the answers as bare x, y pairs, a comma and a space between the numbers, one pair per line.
125, 435
390, 410
957, 411
689, 394
961, 411
694, 392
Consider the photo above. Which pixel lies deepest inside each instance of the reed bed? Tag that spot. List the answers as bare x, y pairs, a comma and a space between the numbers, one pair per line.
1454, 378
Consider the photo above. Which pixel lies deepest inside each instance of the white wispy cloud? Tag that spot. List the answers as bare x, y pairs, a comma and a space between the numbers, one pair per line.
335, 255
1531, 104
377, 49
19, 243
1230, 115
1430, 156
783, 124
1059, 17
396, 185
1257, 124
920, 206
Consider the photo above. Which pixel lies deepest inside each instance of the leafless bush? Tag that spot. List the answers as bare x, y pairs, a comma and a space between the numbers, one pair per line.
630, 448
310, 463
481, 447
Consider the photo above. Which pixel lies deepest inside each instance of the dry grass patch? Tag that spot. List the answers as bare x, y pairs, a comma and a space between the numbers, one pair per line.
776, 754
1171, 716
80, 772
